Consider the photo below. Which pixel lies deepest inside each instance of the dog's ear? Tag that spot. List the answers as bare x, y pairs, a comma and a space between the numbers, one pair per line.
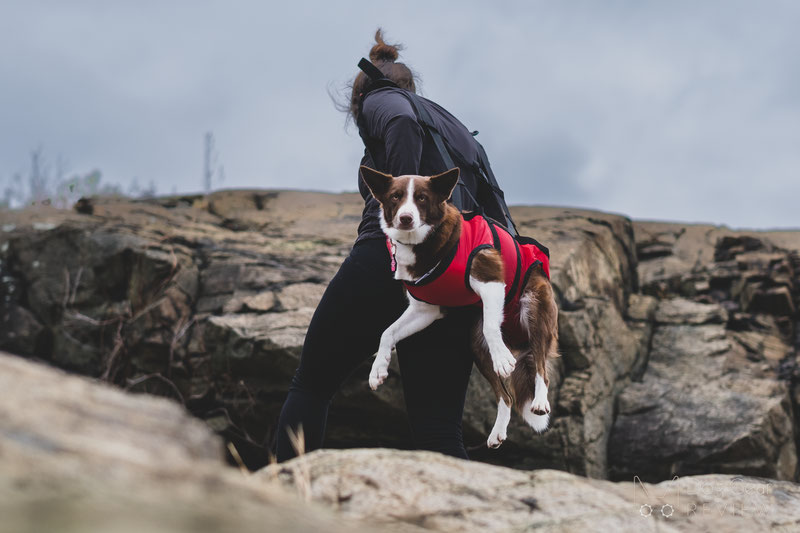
444, 183
378, 182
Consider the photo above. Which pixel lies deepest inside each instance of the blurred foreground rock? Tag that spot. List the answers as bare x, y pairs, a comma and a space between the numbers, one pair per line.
444, 494
79, 456
678, 342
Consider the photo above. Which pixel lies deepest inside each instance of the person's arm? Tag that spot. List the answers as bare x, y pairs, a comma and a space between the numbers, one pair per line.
403, 141
391, 119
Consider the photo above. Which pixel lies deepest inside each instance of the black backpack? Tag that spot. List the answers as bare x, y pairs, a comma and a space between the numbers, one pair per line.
489, 199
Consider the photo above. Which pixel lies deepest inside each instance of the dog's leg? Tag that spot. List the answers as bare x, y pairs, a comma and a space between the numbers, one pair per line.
540, 404
498, 434
539, 311
487, 280
530, 382
483, 360
417, 316
492, 295
539, 423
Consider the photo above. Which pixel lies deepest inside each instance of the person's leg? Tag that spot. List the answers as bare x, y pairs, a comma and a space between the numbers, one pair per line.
435, 366
360, 302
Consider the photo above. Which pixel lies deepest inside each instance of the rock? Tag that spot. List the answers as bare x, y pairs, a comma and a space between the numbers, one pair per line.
769, 300
126, 295
260, 302
683, 311
46, 411
205, 299
444, 494
77, 456
713, 397
642, 308
300, 296
762, 346
20, 332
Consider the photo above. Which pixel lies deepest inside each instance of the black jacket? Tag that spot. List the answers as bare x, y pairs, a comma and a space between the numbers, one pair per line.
393, 136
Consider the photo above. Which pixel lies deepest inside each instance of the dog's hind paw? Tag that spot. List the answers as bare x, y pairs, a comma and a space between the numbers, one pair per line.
539, 407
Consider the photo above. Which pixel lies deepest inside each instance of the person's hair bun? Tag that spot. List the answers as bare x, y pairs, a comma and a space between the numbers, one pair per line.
382, 52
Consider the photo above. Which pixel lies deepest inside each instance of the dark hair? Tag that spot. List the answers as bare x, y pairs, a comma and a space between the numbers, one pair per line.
383, 56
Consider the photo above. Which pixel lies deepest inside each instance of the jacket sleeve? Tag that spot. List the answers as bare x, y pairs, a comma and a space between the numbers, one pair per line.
391, 120
403, 140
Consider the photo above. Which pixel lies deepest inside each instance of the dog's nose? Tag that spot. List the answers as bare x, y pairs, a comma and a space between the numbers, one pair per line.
406, 220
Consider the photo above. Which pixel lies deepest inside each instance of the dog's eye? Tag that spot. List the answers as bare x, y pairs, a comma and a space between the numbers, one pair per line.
396, 197
422, 199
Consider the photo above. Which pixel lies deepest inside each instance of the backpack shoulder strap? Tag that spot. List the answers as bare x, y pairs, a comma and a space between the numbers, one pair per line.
372, 72
461, 192
497, 191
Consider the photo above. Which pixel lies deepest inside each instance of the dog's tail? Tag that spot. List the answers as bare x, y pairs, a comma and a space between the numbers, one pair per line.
539, 316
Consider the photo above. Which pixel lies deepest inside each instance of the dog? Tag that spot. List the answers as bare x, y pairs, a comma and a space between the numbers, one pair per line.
433, 253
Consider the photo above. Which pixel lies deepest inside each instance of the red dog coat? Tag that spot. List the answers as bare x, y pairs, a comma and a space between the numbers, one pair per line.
447, 284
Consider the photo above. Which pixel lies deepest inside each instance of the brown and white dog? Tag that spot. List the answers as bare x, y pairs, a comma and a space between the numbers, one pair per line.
423, 227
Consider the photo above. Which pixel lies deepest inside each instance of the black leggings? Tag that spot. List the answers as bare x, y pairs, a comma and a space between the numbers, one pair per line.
360, 302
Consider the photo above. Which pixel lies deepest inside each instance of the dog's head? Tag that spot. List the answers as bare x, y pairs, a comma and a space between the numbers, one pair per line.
410, 205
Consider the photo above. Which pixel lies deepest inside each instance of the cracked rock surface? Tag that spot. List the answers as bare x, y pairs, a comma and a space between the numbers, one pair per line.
678, 342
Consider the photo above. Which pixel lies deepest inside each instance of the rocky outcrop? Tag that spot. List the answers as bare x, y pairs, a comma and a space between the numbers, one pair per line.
206, 300
77, 455
678, 342
444, 494
128, 295
719, 393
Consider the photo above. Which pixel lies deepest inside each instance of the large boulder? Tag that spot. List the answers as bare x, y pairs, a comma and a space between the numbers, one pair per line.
701, 405
80, 456
440, 493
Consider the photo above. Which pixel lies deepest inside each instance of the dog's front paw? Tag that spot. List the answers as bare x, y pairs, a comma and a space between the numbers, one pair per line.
503, 362
540, 406
379, 372
496, 438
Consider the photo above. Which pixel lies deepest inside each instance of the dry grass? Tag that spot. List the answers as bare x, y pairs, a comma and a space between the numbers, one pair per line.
238, 458
299, 467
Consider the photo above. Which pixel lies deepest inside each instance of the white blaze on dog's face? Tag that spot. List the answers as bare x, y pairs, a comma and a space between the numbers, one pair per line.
410, 205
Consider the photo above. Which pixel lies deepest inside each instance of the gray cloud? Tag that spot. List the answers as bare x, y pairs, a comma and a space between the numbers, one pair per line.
671, 110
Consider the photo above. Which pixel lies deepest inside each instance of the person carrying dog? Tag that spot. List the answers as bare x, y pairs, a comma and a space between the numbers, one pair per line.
363, 298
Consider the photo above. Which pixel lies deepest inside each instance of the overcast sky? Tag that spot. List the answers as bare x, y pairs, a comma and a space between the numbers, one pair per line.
674, 110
